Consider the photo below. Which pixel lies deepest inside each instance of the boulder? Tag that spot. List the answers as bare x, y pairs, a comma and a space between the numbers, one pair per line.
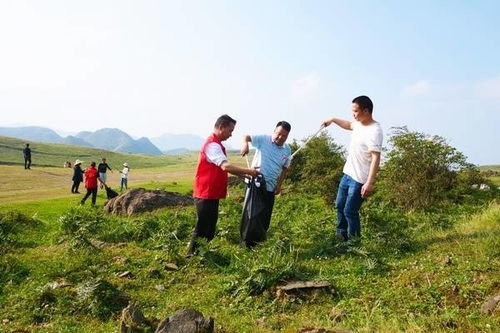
140, 200
186, 321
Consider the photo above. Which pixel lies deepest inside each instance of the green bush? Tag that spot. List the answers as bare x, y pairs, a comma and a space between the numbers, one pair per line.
12, 223
318, 167
257, 270
100, 298
421, 171
80, 225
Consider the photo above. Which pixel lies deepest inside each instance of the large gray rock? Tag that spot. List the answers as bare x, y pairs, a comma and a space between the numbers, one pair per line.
186, 321
140, 200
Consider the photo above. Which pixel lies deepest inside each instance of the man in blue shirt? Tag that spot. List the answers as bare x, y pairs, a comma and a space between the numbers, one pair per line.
272, 159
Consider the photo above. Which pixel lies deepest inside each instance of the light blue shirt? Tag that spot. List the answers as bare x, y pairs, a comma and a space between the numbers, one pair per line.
270, 158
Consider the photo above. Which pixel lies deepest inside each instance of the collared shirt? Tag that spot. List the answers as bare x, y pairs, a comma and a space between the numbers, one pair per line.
270, 158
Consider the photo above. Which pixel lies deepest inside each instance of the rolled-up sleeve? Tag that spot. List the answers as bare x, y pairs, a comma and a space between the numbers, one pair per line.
214, 154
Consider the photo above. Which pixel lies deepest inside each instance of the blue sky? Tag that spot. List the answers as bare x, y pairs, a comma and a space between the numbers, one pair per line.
151, 67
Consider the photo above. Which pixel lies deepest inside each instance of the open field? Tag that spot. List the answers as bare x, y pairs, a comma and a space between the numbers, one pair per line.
434, 283
413, 272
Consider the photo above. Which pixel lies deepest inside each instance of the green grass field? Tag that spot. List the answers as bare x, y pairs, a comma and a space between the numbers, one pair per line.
413, 272
54, 155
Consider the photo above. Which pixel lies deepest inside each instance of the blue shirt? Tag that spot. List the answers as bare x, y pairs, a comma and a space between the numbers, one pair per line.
270, 158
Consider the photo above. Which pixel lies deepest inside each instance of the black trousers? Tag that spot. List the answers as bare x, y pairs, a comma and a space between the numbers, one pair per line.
90, 191
74, 187
268, 211
27, 162
207, 213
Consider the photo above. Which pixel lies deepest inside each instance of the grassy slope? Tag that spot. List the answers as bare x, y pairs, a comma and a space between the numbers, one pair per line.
378, 290
54, 155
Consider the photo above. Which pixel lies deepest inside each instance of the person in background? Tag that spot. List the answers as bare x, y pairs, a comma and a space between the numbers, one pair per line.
102, 168
124, 176
77, 176
27, 156
91, 179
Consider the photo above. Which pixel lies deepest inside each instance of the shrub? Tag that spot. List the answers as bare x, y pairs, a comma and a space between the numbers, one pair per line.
12, 223
318, 167
259, 269
420, 170
80, 224
100, 298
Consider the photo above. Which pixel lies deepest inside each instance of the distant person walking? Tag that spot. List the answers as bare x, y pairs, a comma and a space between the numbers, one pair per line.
124, 176
77, 176
27, 156
91, 179
210, 183
360, 169
102, 168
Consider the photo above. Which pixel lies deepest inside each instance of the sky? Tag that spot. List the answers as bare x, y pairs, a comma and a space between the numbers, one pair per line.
154, 67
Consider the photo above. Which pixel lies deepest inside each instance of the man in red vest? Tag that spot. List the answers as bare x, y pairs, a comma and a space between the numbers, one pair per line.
91, 178
210, 183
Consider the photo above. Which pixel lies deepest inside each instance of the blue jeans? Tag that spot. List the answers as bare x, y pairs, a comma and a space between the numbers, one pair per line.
348, 203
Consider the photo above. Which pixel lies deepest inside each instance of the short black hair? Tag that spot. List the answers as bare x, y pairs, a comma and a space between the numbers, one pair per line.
224, 121
285, 125
27, 145
92, 164
364, 102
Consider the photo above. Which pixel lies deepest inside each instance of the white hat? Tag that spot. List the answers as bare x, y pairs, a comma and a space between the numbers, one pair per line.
78, 162
125, 164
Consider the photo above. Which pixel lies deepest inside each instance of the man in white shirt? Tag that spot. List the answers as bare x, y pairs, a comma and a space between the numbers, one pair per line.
360, 169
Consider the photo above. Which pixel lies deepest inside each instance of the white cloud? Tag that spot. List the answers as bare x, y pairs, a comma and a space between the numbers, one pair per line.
305, 86
418, 88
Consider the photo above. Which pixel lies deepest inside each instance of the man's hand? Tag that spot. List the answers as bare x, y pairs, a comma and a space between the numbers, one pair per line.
366, 190
244, 149
253, 172
327, 122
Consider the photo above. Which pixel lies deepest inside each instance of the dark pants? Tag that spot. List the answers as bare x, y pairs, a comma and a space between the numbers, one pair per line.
27, 162
268, 212
124, 184
90, 191
207, 213
348, 203
74, 187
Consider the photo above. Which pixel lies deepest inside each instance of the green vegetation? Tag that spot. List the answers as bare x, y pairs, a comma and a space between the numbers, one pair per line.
418, 269
54, 155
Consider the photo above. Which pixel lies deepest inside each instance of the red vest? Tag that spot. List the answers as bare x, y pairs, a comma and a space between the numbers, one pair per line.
210, 181
91, 174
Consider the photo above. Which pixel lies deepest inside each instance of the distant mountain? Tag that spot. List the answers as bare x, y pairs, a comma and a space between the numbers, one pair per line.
32, 133
73, 140
107, 138
177, 151
139, 146
178, 141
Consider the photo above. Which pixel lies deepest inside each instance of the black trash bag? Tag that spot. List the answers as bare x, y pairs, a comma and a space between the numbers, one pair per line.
110, 193
252, 229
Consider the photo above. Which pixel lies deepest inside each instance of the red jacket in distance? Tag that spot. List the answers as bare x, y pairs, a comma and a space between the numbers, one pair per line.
210, 181
91, 175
